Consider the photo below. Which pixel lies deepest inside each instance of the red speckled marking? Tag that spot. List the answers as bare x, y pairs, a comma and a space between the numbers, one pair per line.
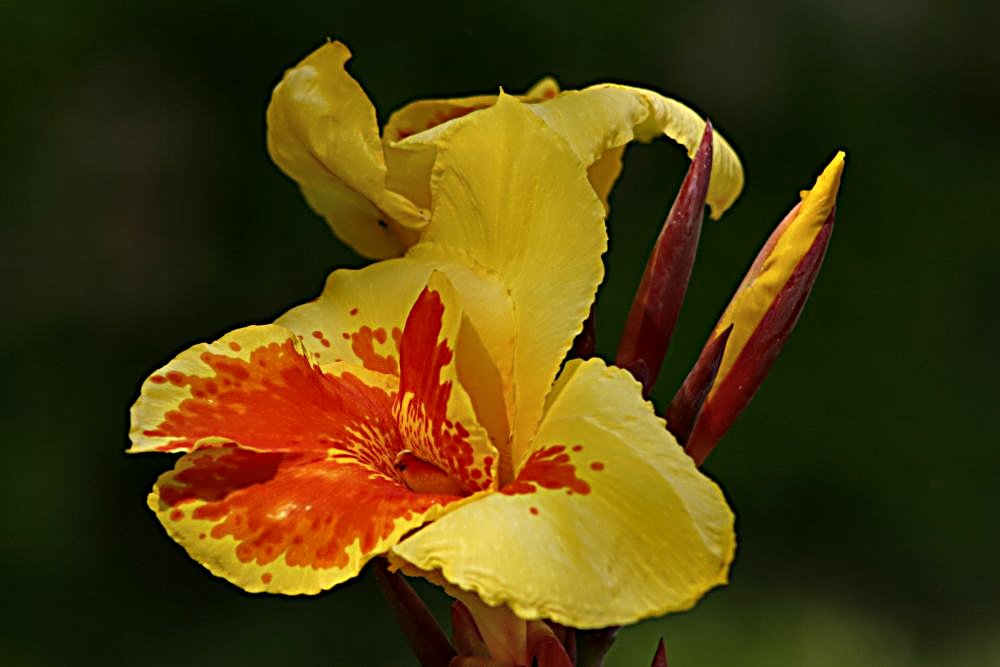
597, 465
266, 577
306, 508
318, 335
354, 311
533, 510
363, 344
235, 347
577, 448
548, 468
422, 403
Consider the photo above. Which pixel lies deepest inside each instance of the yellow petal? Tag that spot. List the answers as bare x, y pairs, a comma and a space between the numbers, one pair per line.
607, 523
359, 316
775, 264
603, 118
510, 195
411, 134
323, 133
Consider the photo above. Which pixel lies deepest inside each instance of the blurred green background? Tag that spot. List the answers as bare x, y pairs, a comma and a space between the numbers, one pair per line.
141, 213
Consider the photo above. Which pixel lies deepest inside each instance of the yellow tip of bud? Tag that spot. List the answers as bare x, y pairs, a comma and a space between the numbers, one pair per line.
818, 202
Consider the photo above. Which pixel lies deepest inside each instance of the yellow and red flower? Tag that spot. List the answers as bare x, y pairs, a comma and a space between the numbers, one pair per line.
420, 408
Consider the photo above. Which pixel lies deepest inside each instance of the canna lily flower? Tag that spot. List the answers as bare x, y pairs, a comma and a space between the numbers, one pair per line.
420, 409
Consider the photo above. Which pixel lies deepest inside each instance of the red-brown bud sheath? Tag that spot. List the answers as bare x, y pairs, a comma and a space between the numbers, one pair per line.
545, 649
465, 635
419, 626
765, 308
660, 659
657, 303
734, 391
687, 402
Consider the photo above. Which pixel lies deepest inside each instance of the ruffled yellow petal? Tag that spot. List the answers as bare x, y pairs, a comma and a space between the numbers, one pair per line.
323, 133
512, 197
608, 521
599, 120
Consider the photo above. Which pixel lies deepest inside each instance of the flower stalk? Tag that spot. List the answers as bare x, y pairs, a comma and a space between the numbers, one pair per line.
415, 620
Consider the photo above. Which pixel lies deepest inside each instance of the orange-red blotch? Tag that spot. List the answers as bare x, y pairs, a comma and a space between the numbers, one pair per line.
278, 401
234, 346
302, 508
266, 577
422, 403
363, 345
548, 468
318, 335
597, 465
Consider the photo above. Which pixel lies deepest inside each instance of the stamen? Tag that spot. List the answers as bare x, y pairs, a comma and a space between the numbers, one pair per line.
423, 477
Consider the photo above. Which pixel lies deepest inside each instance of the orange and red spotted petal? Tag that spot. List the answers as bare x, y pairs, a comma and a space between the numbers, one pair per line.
436, 416
256, 387
285, 522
